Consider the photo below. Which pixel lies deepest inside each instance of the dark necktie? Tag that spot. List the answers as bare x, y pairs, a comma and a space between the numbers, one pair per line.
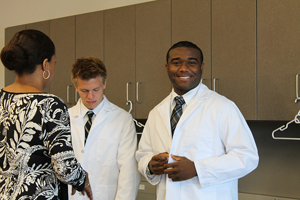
177, 112
88, 124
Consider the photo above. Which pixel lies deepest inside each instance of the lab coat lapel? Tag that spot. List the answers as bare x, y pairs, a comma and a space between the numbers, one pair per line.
200, 96
79, 128
78, 120
189, 109
164, 112
101, 116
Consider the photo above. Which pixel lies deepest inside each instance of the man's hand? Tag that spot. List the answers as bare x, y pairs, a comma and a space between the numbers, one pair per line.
181, 170
156, 164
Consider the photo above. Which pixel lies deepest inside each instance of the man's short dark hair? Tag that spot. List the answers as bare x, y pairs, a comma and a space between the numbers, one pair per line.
185, 44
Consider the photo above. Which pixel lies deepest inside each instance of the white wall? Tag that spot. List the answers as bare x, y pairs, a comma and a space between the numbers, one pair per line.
16, 12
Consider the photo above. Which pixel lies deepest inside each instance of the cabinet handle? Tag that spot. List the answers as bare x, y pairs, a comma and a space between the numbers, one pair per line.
68, 94
127, 98
215, 83
137, 91
127, 85
202, 79
297, 95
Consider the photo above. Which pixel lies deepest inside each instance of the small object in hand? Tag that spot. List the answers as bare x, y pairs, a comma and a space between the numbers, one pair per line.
87, 185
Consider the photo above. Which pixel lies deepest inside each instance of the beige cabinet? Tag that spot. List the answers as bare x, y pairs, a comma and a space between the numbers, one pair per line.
119, 56
62, 32
135, 55
234, 53
250, 51
153, 39
89, 35
278, 63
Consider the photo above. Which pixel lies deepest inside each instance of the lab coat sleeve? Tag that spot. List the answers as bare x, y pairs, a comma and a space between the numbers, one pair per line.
129, 177
145, 153
240, 157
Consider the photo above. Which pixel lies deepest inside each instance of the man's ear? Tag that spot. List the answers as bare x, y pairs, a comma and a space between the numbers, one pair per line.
75, 87
202, 67
104, 84
167, 66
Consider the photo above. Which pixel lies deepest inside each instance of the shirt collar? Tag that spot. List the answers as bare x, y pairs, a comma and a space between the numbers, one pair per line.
84, 109
187, 96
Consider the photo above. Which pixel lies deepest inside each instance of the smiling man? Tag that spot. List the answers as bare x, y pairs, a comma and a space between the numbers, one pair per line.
103, 136
196, 144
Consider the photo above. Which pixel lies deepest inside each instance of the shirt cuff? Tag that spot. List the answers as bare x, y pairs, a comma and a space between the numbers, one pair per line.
148, 173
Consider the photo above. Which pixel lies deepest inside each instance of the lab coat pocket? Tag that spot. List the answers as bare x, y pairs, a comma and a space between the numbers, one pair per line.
198, 143
107, 151
105, 192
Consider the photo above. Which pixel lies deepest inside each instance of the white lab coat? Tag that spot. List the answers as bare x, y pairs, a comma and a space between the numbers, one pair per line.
211, 132
108, 155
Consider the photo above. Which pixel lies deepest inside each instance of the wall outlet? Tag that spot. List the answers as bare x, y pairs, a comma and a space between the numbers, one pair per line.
142, 187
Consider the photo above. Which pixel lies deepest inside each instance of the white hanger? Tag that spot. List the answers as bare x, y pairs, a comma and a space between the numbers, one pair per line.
135, 121
139, 124
282, 128
129, 102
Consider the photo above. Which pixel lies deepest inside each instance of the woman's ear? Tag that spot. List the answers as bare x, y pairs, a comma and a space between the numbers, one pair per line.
45, 64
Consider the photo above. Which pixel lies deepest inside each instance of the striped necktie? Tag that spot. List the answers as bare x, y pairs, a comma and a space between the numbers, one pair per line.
88, 124
177, 112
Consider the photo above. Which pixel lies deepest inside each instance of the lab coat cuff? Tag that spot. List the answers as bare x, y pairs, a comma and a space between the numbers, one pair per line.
152, 178
200, 171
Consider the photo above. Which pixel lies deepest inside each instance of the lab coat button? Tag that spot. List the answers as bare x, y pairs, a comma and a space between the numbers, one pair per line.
82, 151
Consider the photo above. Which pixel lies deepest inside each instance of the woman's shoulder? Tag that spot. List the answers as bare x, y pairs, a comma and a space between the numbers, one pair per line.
40, 97
47, 95
51, 97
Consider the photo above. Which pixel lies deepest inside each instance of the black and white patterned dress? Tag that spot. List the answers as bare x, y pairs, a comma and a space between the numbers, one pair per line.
36, 154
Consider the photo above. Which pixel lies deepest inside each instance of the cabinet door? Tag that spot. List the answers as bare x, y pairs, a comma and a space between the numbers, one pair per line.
10, 76
119, 57
43, 26
191, 21
234, 52
89, 35
278, 50
62, 32
153, 39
